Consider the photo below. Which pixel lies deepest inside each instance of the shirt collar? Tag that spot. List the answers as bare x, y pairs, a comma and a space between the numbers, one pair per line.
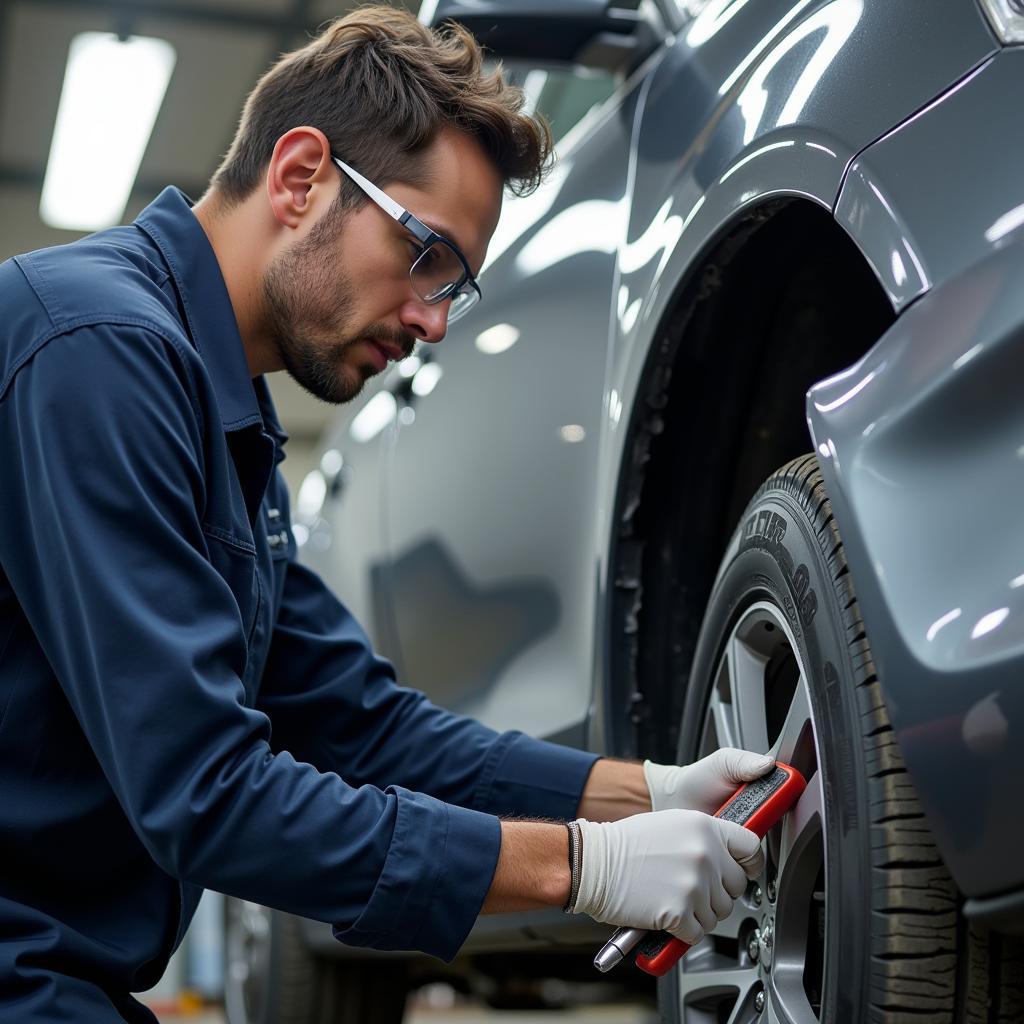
177, 233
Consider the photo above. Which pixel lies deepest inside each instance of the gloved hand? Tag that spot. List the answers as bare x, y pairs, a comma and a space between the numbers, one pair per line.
706, 784
674, 870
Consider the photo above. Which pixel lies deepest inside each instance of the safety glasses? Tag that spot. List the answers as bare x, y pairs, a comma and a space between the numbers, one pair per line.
440, 271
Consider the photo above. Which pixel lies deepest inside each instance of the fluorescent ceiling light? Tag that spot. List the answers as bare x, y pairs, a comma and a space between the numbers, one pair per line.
112, 93
497, 339
378, 413
426, 379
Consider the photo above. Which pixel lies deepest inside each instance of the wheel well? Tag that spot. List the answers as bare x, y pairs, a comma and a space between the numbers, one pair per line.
781, 301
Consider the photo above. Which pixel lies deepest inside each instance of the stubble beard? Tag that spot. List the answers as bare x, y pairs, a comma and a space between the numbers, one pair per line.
308, 299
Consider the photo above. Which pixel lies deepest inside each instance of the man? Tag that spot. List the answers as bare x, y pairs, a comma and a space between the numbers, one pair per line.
182, 705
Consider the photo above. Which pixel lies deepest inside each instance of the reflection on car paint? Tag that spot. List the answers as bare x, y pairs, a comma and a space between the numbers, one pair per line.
458, 637
593, 225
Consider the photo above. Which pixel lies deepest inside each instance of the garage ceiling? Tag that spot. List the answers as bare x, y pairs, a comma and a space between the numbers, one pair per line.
222, 46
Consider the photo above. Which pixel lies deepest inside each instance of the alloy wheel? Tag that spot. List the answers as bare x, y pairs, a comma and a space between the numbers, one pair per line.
765, 961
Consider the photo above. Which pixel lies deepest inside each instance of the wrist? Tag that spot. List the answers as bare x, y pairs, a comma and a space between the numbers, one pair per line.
614, 790
533, 868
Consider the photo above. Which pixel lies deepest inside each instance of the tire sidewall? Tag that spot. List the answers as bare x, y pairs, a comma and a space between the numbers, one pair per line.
775, 555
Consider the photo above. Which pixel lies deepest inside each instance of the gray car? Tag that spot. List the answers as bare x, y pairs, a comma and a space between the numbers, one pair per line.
780, 233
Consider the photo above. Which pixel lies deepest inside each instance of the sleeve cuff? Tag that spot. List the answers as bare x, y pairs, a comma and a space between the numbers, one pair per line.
437, 872
533, 778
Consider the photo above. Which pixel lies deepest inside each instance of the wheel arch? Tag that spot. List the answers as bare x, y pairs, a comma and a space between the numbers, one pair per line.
750, 316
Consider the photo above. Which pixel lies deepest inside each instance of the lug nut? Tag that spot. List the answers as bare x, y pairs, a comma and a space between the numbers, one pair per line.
754, 945
759, 1001
757, 896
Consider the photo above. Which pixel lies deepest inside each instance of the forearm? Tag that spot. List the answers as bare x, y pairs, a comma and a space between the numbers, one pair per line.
614, 789
533, 868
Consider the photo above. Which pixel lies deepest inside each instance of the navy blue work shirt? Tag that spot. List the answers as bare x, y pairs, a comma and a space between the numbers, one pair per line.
182, 704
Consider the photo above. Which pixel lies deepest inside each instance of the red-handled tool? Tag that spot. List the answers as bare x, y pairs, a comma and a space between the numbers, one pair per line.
756, 805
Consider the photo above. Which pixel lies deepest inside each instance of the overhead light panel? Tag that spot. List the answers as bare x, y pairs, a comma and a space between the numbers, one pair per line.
497, 339
112, 92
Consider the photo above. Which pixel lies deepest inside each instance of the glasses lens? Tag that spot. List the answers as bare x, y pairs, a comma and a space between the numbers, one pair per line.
436, 272
463, 302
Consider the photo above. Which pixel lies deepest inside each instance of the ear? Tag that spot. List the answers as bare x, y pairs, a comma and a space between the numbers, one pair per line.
301, 179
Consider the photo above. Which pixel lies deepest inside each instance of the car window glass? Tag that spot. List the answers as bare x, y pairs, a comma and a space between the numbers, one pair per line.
563, 95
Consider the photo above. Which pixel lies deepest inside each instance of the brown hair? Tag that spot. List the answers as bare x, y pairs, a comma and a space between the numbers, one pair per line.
380, 85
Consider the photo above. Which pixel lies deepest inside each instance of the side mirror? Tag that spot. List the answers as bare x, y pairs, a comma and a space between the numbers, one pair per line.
592, 33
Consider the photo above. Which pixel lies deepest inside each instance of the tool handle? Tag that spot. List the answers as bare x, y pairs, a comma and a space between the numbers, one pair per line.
756, 805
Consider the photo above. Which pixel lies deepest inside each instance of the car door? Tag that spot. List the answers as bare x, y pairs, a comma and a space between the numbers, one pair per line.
489, 496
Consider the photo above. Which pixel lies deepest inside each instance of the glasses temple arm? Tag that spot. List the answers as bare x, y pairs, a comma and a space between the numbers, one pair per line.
382, 199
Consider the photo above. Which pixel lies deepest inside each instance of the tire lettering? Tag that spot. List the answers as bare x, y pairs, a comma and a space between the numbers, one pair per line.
806, 599
808, 606
764, 529
767, 530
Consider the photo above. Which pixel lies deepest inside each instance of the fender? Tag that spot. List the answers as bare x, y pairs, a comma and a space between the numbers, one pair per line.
750, 102
754, 101
922, 446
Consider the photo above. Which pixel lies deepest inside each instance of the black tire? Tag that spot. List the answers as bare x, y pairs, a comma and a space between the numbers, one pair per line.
782, 640
271, 977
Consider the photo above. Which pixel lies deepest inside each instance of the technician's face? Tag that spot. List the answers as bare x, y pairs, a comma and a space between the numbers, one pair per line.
340, 302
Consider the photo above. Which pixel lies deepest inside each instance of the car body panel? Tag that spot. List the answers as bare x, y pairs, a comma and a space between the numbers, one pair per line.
494, 608
789, 125
927, 474
912, 202
723, 134
746, 103
346, 532
922, 445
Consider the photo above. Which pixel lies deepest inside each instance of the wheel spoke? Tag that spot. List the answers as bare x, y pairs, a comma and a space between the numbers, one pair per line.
802, 823
787, 1003
706, 984
721, 713
746, 672
742, 1012
798, 721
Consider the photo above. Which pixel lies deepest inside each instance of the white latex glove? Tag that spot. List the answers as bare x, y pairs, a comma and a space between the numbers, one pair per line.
706, 784
675, 870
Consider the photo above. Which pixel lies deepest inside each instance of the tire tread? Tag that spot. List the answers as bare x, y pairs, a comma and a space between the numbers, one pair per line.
922, 958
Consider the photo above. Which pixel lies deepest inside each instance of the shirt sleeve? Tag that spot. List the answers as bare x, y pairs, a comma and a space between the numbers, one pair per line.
101, 536
334, 703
